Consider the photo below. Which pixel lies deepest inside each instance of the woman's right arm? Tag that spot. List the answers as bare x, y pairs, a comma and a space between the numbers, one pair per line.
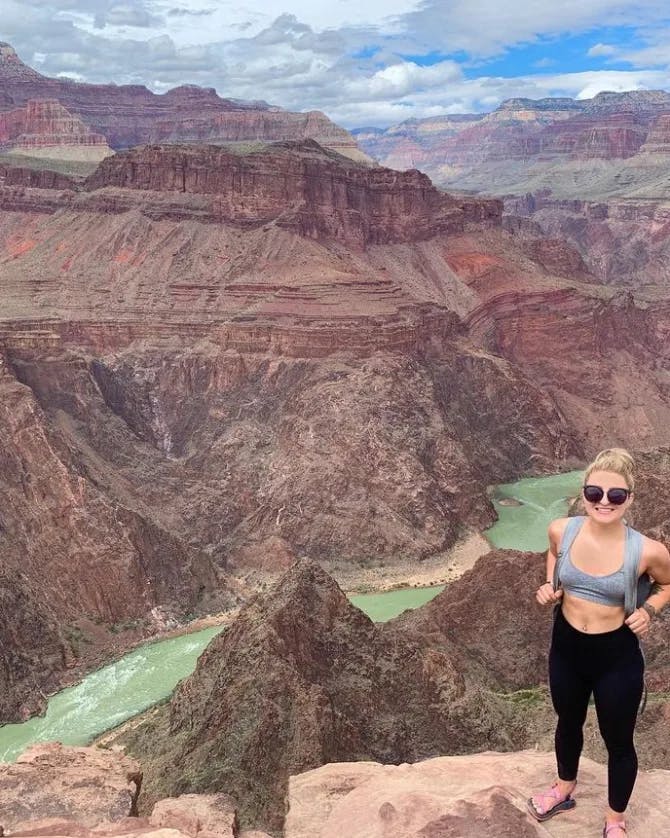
545, 594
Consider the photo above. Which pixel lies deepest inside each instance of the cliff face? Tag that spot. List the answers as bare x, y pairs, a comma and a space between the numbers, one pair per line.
623, 241
75, 553
130, 115
45, 124
298, 187
592, 174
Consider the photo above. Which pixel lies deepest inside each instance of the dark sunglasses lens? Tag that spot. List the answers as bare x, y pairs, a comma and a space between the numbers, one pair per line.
617, 496
593, 493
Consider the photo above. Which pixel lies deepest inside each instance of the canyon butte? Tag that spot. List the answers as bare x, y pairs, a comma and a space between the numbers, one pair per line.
218, 360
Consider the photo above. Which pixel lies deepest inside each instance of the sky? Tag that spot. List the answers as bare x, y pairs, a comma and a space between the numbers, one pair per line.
362, 62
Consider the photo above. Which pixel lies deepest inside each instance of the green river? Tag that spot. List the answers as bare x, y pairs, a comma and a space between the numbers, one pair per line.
147, 675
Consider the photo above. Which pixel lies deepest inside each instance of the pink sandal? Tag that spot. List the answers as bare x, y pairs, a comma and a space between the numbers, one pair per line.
546, 804
620, 825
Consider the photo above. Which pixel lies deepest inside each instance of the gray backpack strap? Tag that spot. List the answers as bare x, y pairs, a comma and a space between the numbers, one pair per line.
573, 526
631, 568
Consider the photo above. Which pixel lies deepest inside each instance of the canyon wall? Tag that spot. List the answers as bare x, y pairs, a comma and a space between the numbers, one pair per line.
525, 141
592, 173
212, 387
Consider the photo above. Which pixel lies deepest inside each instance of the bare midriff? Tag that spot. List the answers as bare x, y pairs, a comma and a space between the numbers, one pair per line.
591, 617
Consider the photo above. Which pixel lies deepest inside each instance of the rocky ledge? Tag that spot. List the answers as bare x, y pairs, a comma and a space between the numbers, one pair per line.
478, 796
87, 792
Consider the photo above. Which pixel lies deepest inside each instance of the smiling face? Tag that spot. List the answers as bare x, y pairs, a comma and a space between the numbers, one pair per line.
603, 511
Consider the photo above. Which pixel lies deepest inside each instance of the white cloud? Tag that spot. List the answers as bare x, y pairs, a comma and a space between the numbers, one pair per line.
598, 50
363, 64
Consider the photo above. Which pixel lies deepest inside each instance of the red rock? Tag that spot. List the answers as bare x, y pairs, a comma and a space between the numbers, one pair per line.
478, 796
44, 123
252, 392
56, 782
302, 678
543, 133
208, 816
129, 115
301, 188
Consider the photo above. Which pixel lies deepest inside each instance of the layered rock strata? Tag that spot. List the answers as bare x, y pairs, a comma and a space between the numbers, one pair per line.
623, 241
130, 115
44, 125
539, 132
296, 186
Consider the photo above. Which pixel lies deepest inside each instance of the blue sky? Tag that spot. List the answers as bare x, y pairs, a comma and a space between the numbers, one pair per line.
372, 63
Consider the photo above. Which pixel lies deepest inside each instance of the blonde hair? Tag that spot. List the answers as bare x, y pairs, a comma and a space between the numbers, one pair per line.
617, 460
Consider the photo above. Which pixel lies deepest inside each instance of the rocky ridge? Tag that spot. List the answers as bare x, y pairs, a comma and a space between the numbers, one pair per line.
130, 115
303, 678
538, 133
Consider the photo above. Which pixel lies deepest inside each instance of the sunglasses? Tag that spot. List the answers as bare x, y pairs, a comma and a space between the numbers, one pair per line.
594, 494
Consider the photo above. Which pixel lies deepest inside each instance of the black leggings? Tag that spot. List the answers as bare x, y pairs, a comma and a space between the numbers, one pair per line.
609, 665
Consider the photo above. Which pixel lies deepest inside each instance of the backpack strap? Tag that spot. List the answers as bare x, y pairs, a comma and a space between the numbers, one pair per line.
573, 526
631, 568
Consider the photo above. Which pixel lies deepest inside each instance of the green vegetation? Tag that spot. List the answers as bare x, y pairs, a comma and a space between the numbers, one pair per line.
527, 699
74, 168
75, 638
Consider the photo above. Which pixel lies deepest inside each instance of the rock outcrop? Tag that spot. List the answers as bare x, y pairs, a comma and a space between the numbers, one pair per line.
50, 781
130, 115
87, 792
478, 796
300, 679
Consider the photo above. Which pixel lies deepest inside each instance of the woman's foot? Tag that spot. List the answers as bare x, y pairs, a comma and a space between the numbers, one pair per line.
545, 804
614, 829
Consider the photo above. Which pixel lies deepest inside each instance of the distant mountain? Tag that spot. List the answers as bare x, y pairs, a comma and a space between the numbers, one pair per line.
130, 115
592, 172
527, 144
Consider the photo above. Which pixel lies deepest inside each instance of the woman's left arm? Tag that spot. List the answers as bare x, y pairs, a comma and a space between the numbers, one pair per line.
658, 567
656, 562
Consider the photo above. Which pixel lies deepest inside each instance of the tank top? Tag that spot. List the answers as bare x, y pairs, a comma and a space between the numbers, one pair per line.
605, 590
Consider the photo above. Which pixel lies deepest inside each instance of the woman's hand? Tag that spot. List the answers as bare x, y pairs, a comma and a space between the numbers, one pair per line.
639, 621
546, 595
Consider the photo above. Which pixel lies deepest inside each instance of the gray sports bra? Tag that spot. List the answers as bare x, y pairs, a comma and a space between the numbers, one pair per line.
606, 590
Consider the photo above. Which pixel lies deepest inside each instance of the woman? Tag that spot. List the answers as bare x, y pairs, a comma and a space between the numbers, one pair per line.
595, 647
